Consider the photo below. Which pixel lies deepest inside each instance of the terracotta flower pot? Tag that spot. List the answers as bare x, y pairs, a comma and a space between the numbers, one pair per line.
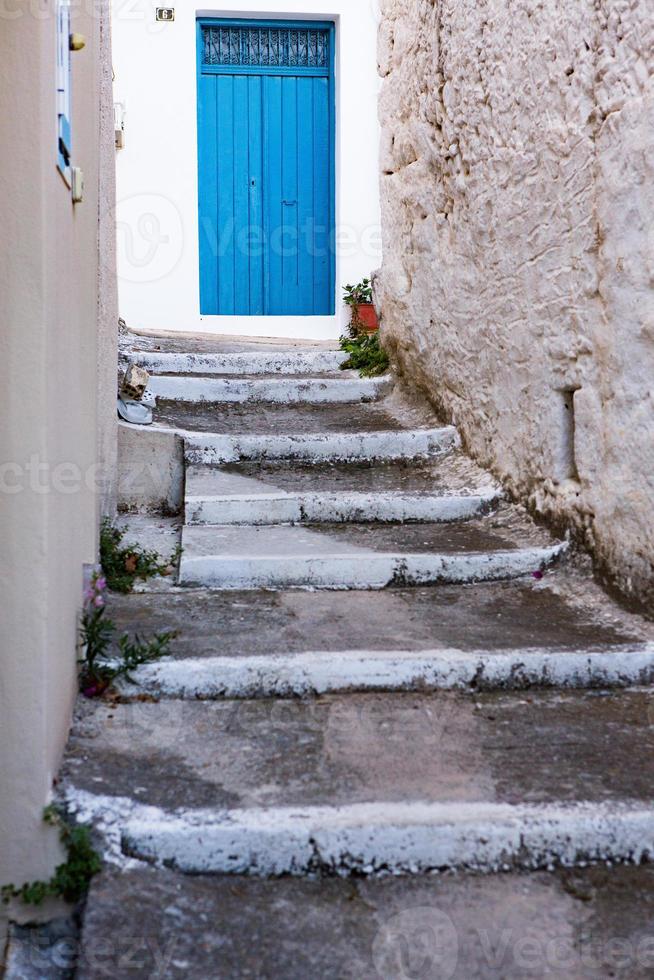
368, 321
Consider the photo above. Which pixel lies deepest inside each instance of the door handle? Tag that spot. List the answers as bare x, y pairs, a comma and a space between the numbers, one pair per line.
289, 204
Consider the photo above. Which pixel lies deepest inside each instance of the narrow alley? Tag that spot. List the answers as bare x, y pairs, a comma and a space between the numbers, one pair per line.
327, 490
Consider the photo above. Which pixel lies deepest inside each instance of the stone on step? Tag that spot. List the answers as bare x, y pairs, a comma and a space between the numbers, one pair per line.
289, 362
283, 391
365, 783
347, 556
322, 446
135, 382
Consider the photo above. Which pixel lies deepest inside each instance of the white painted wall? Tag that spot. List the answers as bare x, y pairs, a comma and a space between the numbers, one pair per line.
157, 212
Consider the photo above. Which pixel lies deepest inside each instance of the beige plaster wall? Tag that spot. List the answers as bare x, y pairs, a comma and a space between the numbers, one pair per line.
107, 354
517, 197
51, 428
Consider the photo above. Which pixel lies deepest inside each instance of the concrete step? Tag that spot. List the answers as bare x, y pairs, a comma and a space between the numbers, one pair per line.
369, 782
291, 361
296, 493
275, 508
272, 419
301, 674
451, 473
493, 636
583, 923
281, 391
350, 556
558, 615
319, 446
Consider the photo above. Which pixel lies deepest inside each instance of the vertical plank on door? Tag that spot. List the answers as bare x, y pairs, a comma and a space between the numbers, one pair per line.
273, 192
322, 288
208, 213
226, 215
256, 194
306, 193
290, 231
241, 202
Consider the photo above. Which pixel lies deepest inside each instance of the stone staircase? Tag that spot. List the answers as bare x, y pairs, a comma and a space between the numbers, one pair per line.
382, 668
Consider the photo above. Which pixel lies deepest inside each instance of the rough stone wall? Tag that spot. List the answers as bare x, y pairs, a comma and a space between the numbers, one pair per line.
518, 278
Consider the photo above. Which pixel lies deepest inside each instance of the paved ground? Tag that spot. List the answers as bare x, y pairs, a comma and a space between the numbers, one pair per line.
360, 740
229, 418
174, 342
494, 615
147, 923
593, 923
544, 746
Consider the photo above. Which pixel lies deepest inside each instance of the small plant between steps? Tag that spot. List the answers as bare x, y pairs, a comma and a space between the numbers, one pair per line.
123, 565
98, 667
366, 355
70, 880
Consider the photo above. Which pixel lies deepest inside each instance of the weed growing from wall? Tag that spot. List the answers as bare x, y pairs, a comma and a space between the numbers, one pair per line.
71, 879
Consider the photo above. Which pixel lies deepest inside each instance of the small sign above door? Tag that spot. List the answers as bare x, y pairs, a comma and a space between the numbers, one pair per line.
165, 13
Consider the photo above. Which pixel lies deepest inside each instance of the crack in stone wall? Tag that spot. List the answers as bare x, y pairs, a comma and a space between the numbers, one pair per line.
517, 193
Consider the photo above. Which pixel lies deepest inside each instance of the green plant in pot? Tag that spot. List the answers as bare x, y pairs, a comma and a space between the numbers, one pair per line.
364, 316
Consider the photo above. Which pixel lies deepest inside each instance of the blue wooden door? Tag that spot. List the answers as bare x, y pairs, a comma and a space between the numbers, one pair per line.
266, 168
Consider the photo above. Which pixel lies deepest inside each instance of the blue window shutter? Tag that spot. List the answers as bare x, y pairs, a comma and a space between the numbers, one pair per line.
63, 86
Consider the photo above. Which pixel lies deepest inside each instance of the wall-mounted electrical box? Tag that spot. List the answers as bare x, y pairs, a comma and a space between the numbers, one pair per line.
119, 124
77, 184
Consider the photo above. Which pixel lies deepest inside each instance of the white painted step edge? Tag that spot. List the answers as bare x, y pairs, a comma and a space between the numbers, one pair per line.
207, 448
297, 675
280, 391
239, 363
369, 838
370, 570
337, 506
